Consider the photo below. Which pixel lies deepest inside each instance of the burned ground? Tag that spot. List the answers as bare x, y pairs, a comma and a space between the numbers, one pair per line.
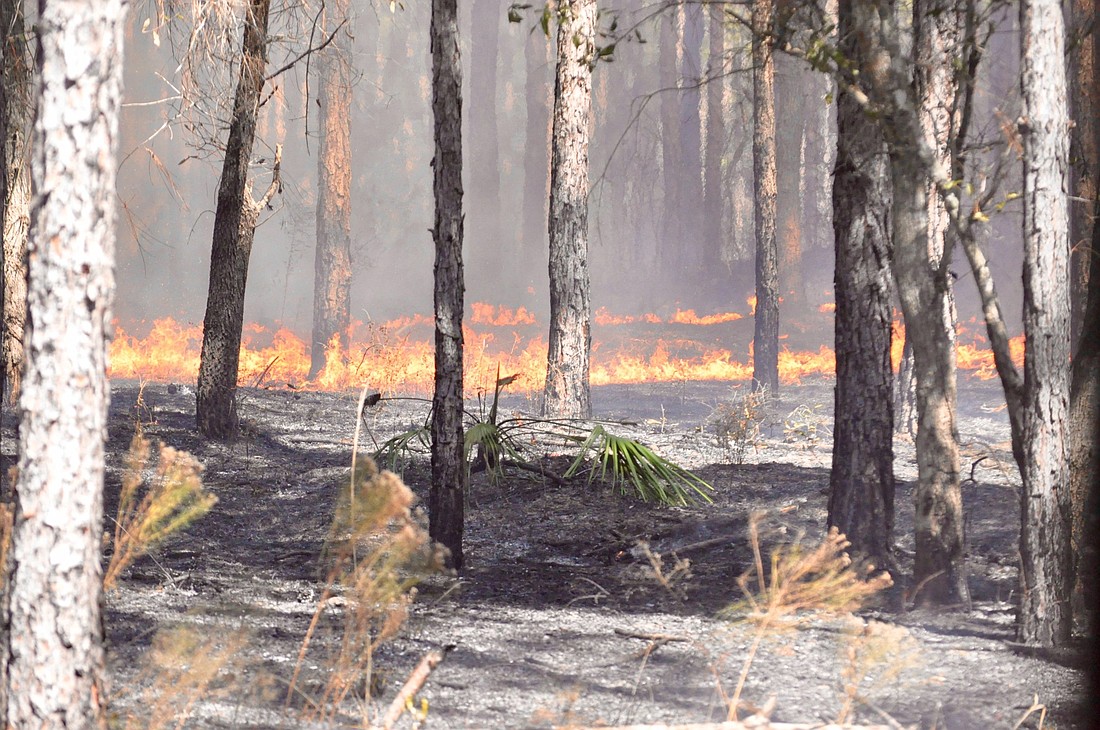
544, 622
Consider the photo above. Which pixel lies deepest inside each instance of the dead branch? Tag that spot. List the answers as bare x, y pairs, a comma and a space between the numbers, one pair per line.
645, 636
305, 53
412, 685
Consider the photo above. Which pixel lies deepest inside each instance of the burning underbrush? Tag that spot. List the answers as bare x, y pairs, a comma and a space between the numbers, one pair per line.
397, 356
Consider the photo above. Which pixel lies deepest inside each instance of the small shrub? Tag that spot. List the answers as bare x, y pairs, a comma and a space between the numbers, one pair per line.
737, 423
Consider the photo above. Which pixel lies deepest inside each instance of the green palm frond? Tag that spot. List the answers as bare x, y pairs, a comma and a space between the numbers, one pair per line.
628, 464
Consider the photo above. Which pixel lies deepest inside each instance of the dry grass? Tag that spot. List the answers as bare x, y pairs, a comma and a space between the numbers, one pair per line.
149, 512
799, 583
184, 666
875, 654
378, 550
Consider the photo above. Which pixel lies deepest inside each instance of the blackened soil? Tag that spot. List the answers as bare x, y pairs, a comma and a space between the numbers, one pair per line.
546, 624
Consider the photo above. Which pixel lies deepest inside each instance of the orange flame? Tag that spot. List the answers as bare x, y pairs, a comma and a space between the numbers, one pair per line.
398, 356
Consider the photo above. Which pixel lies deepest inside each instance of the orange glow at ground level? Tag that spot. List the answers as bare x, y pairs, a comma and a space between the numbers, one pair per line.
397, 357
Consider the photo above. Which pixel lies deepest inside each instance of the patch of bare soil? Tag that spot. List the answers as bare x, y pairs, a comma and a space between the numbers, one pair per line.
558, 616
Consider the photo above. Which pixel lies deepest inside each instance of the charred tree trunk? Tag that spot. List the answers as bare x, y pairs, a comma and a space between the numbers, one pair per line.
234, 231
447, 496
765, 341
52, 630
16, 117
536, 152
1085, 156
1084, 418
332, 267
567, 393
1046, 571
861, 482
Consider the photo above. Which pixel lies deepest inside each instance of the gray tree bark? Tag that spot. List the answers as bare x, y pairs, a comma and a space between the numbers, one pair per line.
332, 266
446, 498
234, 231
765, 341
1046, 571
567, 392
16, 118
51, 640
861, 481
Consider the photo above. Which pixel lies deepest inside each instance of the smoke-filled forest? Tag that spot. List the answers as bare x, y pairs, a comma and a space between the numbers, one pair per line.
489, 364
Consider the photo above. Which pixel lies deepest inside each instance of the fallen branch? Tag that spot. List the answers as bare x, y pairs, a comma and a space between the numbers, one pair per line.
663, 638
412, 685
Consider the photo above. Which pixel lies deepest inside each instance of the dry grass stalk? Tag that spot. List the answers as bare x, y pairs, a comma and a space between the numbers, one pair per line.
185, 665
799, 583
150, 513
875, 655
378, 550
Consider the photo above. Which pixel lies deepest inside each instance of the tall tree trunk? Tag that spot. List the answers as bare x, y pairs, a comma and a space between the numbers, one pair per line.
447, 496
861, 482
765, 341
234, 231
1084, 418
16, 117
1084, 154
1046, 574
714, 188
536, 150
332, 268
567, 392
52, 633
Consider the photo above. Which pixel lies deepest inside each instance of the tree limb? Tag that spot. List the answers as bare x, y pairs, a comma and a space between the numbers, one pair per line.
305, 53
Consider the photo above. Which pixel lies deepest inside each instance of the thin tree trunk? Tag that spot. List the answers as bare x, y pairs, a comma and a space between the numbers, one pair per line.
1046, 573
332, 268
567, 392
52, 632
1084, 418
234, 231
16, 117
861, 491
447, 496
765, 341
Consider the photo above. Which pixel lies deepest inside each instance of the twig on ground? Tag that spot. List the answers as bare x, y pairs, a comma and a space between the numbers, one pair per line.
412, 685
646, 636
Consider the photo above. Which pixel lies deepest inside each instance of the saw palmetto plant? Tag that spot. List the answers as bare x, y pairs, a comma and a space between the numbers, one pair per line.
493, 442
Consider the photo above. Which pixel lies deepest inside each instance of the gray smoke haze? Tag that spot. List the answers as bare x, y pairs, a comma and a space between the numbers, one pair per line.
639, 263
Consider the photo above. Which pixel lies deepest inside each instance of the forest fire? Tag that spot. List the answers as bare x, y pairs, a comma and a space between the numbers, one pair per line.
397, 356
